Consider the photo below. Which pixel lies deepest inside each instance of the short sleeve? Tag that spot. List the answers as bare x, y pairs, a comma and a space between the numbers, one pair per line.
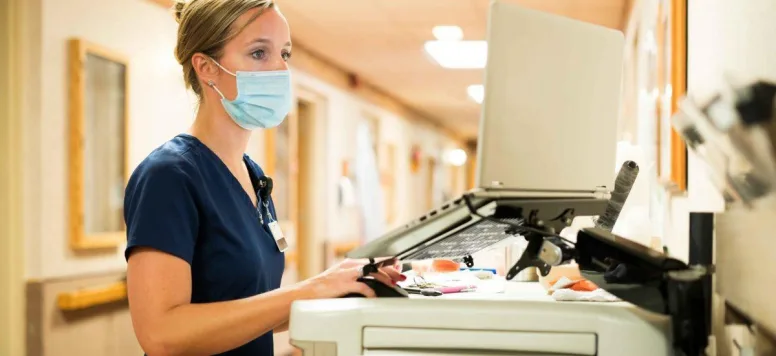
160, 210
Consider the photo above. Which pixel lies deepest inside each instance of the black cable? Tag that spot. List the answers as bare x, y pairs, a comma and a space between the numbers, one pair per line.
569, 210
516, 226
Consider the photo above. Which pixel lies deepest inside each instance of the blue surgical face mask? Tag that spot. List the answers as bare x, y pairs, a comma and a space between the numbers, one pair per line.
263, 98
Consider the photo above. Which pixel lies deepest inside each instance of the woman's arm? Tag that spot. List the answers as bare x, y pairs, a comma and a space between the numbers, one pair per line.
281, 328
167, 324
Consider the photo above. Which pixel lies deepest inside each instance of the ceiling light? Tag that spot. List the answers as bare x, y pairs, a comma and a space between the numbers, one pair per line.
448, 33
458, 54
456, 157
476, 92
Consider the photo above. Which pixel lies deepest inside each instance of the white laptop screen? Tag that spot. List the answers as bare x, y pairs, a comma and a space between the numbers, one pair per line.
552, 96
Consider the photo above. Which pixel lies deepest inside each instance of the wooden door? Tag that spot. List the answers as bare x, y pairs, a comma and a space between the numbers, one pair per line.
430, 170
295, 153
282, 160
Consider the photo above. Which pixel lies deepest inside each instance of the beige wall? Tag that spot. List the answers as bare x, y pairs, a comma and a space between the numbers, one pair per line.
732, 38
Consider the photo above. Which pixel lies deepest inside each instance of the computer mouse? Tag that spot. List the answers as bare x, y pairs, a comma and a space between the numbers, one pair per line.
381, 290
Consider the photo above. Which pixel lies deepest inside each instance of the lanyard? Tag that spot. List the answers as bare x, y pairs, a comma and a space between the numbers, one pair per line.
265, 189
269, 213
258, 210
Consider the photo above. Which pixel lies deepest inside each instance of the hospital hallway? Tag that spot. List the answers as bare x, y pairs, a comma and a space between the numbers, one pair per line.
550, 165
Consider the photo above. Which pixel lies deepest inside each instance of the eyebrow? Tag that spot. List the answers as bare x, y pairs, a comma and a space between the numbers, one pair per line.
266, 40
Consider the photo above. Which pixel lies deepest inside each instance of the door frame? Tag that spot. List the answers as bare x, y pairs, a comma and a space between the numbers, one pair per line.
310, 243
12, 288
431, 164
304, 257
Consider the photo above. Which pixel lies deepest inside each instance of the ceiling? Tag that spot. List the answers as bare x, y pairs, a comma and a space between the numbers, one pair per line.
382, 42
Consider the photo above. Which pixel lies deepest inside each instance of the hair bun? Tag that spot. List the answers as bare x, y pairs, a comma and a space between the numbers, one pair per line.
178, 7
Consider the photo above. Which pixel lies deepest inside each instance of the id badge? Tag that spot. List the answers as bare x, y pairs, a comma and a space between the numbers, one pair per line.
277, 234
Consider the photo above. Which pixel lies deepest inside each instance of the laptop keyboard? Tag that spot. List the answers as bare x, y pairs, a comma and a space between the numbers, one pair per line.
468, 241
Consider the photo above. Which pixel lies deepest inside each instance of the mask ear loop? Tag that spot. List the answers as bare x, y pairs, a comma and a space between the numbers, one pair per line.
212, 84
222, 67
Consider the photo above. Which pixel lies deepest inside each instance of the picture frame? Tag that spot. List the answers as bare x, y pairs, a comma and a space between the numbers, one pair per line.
655, 82
671, 78
98, 145
678, 149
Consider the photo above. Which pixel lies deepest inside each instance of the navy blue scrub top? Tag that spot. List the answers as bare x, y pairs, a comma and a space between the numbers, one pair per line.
183, 200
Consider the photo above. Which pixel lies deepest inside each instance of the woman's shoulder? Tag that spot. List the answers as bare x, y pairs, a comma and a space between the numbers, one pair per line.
173, 159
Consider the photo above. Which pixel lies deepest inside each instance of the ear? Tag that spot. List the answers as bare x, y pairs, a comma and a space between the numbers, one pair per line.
205, 68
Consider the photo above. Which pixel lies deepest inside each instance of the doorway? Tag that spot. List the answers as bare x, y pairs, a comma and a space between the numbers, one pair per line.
430, 183
305, 201
295, 159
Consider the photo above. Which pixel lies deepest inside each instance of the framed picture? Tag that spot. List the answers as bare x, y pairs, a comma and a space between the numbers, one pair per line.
655, 81
677, 18
671, 77
99, 119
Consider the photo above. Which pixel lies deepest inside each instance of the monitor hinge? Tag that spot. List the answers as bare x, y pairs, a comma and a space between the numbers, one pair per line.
601, 192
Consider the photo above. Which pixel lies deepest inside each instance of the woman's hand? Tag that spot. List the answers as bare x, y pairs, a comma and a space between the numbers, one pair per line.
341, 279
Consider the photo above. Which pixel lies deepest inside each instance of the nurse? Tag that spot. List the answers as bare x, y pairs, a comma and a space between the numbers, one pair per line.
204, 264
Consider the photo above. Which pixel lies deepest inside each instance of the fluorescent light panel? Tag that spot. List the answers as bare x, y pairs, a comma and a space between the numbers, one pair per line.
458, 54
476, 92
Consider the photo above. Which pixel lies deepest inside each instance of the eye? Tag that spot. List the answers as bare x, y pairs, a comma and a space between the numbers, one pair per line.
286, 55
259, 54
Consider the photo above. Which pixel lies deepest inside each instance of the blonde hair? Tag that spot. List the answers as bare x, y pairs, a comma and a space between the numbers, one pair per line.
205, 26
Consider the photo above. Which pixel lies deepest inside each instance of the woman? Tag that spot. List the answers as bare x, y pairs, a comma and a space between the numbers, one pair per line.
204, 264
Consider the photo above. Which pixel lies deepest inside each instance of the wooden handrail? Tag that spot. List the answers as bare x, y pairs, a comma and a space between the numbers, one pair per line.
92, 297
341, 248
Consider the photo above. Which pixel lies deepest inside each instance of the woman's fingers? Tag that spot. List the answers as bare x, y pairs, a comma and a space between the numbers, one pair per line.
385, 262
345, 279
382, 277
393, 273
397, 265
363, 289
386, 274
347, 283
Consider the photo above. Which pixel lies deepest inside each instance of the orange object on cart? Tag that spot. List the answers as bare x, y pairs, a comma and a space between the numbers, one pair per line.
444, 266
